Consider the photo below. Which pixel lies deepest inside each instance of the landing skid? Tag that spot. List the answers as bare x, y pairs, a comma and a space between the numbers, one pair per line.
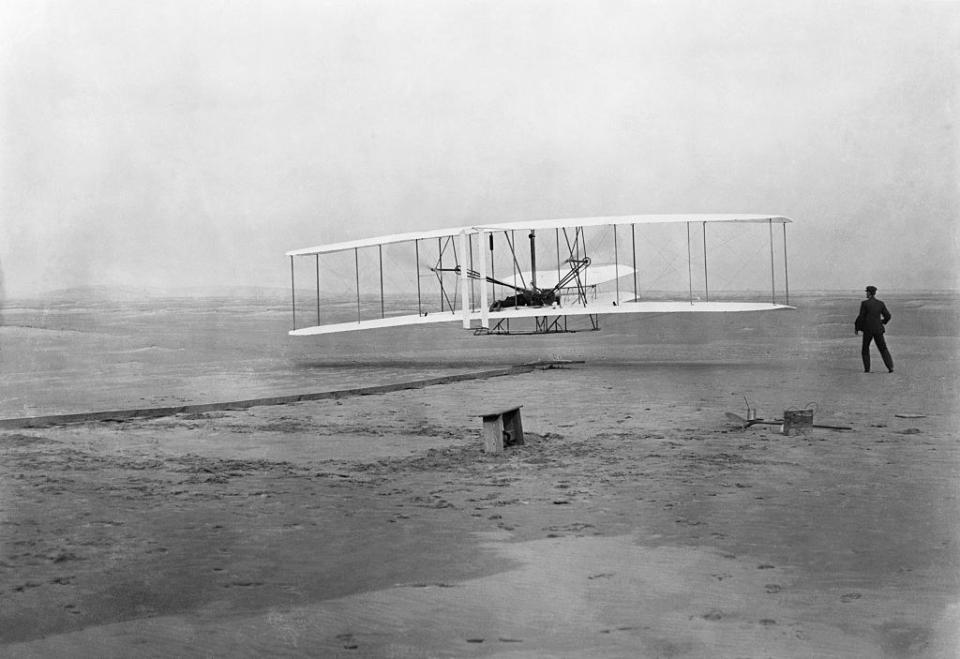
544, 325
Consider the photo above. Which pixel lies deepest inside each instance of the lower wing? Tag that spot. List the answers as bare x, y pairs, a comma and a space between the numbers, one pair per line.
596, 307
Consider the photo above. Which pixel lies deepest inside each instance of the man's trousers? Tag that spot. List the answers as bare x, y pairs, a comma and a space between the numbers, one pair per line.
881, 346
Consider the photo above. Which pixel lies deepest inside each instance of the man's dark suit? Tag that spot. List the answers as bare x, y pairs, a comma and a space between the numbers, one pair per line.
873, 316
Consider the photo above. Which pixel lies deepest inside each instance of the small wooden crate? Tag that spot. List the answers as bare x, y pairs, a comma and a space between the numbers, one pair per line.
502, 429
797, 422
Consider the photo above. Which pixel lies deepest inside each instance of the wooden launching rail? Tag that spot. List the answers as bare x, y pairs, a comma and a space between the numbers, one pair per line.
157, 412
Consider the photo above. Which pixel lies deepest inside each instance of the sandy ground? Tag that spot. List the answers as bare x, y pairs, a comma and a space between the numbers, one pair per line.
637, 520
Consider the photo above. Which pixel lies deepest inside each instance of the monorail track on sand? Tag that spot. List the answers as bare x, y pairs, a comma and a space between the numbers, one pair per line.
158, 412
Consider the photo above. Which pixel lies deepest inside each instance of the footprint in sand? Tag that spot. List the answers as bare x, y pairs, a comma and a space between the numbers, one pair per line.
63, 556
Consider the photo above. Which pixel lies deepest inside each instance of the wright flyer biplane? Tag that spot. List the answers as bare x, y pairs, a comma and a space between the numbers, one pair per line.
543, 276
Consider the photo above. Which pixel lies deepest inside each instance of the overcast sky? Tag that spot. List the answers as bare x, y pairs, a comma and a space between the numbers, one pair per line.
168, 144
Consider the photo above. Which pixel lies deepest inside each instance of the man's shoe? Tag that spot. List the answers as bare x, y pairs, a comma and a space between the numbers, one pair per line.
890, 370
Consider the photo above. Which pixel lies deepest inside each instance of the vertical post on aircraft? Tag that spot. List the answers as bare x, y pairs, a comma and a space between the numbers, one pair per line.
380, 254
293, 294
616, 263
356, 268
482, 255
559, 275
773, 276
533, 259
513, 242
786, 272
689, 264
580, 237
464, 282
473, 292
706, 280
493, 273
416, 248
440, 269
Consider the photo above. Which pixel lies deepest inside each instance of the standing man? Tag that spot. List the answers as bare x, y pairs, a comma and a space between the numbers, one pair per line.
873, 316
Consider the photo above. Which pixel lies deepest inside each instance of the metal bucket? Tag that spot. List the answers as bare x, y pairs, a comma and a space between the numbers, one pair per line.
797, 422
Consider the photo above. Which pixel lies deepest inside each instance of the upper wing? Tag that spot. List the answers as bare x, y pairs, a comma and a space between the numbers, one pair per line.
563, 223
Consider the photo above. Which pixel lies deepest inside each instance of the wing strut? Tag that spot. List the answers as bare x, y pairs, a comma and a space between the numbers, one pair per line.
484, 307
689, 264
533, 259
464, 286
293, 296
786, 272
473, 292
773, 277
440, 273
616, 263
706, 281
356, 266
416, 247
493, 272
557, 235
